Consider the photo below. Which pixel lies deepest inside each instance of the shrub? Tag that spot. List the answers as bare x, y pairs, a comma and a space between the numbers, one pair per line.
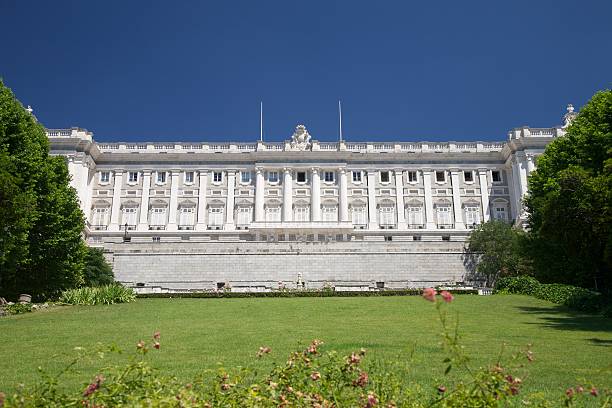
97, 271
107, 295
522, 285
18, 308
297, 293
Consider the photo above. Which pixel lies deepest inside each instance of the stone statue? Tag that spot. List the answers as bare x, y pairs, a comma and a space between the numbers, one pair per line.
569, 117
300, 139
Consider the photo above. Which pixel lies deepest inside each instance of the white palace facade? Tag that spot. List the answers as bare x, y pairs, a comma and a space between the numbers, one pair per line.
299, 213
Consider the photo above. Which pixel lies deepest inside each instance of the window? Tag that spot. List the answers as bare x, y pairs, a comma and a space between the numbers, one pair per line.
187, 216
416, 237
328, 176
215, 216
301, 213
415, 216
133, 177
273, 176
387, 215
243, 216
358, 215
217, 177
384, 176
445, 237
245, 177
496, 176
189, 177
104, 176
158, 216
161, 177
499, 213
357, 176
444, 216
330, 213
129, 216
412, 177
472, 216
301, 176
273, 214
99, 217
468, 176
440, 177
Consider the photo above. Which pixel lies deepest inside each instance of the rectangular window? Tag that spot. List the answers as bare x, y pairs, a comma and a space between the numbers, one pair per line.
158, 216
444, 216
472, 216
301, 176
100, 216
217, 177
357, 176
358, 215
189, 177
133, 177
387, 215
330, 213
328, 176
440, 176
468, 176
415, 216
384, 176
273, 176
215, 216
301, 213
161, 176
244, 217
500, 213
245, 177
412, 177
129, 216
187, 216
496, 176
273, 214
105, 177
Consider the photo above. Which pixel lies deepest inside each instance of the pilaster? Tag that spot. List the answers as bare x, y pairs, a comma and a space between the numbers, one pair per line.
459, 224
143, 222
173, 200
316, 195
203, 180
372, 215
287, 195
429, 214
117, 185
229, 202
399, 199
259, 195
484, 194
343, 202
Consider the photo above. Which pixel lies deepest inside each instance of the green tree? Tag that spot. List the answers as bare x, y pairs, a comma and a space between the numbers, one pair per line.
41, 249
97, 271
494, 251
569, 201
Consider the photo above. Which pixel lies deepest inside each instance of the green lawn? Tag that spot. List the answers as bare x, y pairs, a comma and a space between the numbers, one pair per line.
198, 333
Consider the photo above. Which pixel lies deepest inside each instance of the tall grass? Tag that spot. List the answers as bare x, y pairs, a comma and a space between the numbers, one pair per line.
101, 295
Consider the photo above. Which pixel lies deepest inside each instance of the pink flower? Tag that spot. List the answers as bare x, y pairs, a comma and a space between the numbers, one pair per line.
225, 387
140, 345
362, 380
441, 389
371, 401
156, 345
354, 359
594, 392
447, 296
429, 294
263, 350
91, 388
315, 376
156, 335
2, 396
579, 389
569, 392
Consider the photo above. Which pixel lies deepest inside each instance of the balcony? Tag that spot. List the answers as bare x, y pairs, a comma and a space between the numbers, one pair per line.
416, 226
445, 226
98, 227
185, 227
157, 227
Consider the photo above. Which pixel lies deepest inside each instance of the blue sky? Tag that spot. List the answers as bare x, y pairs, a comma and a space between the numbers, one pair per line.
405, 70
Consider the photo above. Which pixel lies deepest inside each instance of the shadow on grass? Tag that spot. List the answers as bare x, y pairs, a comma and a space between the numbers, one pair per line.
562, 318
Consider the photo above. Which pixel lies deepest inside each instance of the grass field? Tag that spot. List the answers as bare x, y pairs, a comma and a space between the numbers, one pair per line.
199, 333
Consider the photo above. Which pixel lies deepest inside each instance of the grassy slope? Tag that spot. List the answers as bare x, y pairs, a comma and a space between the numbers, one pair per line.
198, 333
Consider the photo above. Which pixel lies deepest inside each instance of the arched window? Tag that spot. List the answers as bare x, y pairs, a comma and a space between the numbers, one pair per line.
244, 215
386, 214
99, 217
273, 213
129, 215
358, 215
301, 213
186, 216
472, 215
414, 215
443, 215
500, 210
157, 216
330, 213
215, 216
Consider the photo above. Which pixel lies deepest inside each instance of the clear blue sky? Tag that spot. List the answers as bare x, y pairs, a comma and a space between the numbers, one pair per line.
405, 70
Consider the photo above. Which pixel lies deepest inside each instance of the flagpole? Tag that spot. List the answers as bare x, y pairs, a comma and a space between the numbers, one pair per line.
261, 121
340, 118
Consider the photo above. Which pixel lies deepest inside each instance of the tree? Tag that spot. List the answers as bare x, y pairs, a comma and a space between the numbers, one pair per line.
569, 201
494, 251
97, 271
41, 249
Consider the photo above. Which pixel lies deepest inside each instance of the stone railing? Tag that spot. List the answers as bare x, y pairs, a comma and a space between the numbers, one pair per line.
75, 133
519, 133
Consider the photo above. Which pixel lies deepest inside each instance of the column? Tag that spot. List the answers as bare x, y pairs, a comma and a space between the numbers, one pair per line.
399, 199
203, 180
259, 195
172, 207
459, 224
316, 195
143, 223
509, 173
530, 163
117, 184
518, 191
484, 194
343, 201
287, 195
372, 216
429, 214
229, 202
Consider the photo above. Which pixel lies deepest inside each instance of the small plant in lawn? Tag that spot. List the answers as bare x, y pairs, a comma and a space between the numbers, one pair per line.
101, 295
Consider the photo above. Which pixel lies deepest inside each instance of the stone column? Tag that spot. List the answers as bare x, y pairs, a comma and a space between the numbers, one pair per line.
429, 213
172, 207
459, 224
399, 199
343, 201
372, 215
516, 185
484, 194
203, 179
316, 195
143, 223
117, 185
260, 186
530, 163
287, 195
229, 202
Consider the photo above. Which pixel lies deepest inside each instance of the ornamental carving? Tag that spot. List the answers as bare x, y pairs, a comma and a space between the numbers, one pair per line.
300, 139
569, 117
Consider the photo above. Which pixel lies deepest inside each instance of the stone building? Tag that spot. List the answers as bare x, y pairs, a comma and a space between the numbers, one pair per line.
299, 213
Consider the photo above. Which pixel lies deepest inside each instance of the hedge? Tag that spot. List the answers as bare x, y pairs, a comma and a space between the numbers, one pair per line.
289, 294
574, 297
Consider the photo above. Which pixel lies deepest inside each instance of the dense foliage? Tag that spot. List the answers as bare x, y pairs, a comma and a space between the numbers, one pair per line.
310, 377
41, 250
99, 295
297, 293
98, 272
569, 202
